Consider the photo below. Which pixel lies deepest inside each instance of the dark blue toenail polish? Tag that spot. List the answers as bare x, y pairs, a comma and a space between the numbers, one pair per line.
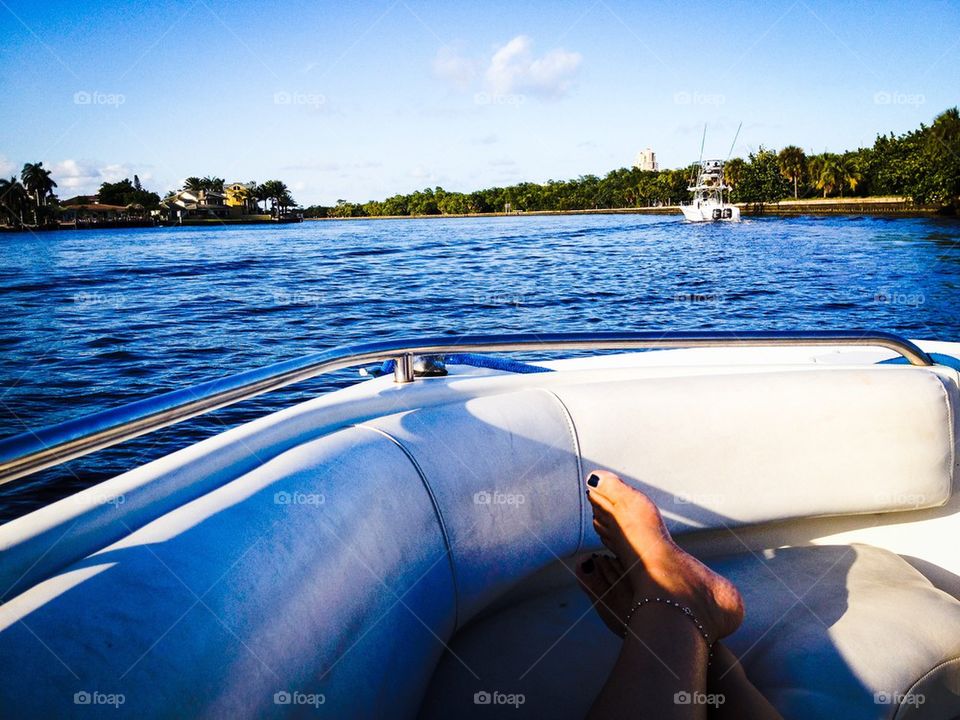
587, 565
593, 480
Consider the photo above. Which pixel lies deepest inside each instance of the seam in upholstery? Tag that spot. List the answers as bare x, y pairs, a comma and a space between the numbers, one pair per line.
436, 510
576, 452
927, 674
953, 439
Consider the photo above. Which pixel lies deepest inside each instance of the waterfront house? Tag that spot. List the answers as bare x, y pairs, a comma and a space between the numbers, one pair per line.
242, 196
88, 210
186, 204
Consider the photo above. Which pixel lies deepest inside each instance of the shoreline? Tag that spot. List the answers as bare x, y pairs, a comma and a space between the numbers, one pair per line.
879, 206
889, 206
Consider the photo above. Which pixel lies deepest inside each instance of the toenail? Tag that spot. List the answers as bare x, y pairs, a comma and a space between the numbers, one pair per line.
587, 565
593, 480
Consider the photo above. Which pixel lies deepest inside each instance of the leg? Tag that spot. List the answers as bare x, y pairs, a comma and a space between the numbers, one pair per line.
603, 579
726, 677
662, 665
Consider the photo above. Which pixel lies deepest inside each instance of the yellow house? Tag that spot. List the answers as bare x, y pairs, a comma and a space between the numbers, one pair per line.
240, 195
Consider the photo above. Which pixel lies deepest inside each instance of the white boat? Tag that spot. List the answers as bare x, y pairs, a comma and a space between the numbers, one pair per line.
709, 203
404, 547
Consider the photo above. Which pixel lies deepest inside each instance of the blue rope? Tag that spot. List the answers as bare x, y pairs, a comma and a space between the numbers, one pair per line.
939, 358
494, 363
480, 361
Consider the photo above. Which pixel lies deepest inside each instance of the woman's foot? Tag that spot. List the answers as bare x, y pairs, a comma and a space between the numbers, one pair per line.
602, 578
629, 523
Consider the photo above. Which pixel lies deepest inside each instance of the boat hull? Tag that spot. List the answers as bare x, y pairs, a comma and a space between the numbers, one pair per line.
710, 213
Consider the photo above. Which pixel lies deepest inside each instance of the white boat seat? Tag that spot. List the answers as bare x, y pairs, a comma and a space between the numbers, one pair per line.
849, 632
343, 565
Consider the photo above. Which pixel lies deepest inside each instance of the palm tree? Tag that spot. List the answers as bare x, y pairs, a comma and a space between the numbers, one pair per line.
792, 162
278, 194
261, 195
946, 128
733, 171
212, 184
847, 172
822, 173
193, 184
13, 199
38, 183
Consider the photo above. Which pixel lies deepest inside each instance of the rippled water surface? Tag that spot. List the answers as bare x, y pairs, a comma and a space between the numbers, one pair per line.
95, 319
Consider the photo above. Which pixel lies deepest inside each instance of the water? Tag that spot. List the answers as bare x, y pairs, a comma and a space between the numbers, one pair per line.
95, 319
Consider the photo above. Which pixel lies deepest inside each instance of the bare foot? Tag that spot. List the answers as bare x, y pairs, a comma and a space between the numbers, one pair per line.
629, 523
602, 578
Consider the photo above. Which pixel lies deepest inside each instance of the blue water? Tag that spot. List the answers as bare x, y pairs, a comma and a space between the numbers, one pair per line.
95, 319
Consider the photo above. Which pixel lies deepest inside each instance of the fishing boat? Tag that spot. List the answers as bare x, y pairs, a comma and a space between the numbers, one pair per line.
709, 202
404, 547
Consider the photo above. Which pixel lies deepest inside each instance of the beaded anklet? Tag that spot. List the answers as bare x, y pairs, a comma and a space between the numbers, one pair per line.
674, 604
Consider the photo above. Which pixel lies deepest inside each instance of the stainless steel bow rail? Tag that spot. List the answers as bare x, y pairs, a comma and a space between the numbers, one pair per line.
31, 451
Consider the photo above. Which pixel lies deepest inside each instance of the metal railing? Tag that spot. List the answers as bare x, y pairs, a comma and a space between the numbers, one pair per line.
32, 451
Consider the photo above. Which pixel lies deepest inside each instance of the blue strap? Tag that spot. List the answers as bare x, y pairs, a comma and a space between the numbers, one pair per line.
494, 363
482, 361
939, 358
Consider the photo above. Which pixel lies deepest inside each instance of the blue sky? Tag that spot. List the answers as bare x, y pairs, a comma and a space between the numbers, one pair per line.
361, 100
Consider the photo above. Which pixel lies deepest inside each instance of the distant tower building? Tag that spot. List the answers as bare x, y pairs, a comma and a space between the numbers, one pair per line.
646, 160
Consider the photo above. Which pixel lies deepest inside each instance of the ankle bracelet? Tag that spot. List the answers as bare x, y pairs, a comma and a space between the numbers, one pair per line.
674, 604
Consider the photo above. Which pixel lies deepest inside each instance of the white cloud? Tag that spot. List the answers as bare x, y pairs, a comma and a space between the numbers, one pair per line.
512, 69
454, 68
421, 173
7, 167
84, 177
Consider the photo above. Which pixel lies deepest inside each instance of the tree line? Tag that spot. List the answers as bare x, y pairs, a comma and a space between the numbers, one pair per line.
923, 164
30, 199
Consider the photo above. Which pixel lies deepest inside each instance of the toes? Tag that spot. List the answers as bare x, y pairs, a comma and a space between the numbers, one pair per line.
606, 486
603, 532
600, 504
590, 579
607, 570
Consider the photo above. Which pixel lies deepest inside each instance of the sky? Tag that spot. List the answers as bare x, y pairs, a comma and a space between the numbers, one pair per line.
360, 100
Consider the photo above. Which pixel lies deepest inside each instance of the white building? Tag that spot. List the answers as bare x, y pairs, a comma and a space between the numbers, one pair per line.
646, 160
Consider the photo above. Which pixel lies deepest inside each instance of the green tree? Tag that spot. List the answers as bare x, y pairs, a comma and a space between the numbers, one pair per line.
792, 162
761, 180
127, 193
39, 185
14, 200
